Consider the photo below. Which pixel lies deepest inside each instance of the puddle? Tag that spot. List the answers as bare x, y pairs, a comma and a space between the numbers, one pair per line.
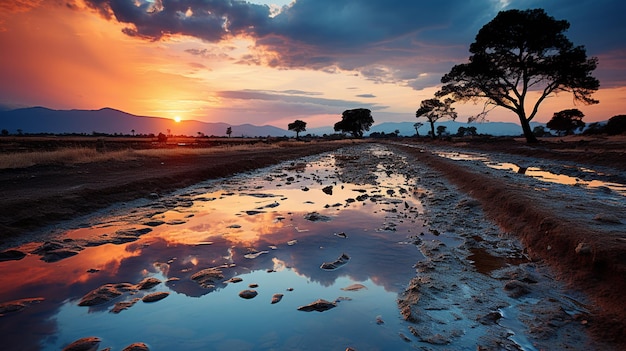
273, 230
541, 174
485, 263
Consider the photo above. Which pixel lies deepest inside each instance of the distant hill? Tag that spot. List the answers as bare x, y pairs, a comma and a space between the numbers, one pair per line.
110, 121
36, 120
491, 128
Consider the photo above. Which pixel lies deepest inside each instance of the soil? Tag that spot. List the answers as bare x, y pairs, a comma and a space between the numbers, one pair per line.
577, 236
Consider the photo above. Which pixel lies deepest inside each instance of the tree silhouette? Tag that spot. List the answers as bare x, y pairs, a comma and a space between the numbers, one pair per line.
229, 131
297, 126
616, 125
355, 121
517, 53
567, 121
132, 131
417, 125
435, 109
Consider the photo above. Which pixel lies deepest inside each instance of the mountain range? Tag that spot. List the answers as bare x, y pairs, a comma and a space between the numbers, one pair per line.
35, 120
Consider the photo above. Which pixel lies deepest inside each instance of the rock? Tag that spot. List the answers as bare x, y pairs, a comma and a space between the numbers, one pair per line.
124, 305
328, 190
516, 288
583, 249
53, 251
207, 277
330, 266
18, 305
57, 255
11, 255
276, 298
155, 296
490, 318
234, 280
105, 294
90, 343
253, 285
154, 223
607, 218
354, 287
148, 283
342, 235
320, 305
138, 346
316, 217
248, 294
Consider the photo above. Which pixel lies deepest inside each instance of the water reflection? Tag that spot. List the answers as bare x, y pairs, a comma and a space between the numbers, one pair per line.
273, 229
542, 174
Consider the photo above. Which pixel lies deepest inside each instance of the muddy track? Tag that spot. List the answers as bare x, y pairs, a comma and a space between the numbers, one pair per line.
588, 259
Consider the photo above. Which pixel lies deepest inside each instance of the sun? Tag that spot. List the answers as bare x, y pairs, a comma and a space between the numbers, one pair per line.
177, 119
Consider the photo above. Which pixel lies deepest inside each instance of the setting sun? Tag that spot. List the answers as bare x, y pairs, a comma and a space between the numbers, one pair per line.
177, 119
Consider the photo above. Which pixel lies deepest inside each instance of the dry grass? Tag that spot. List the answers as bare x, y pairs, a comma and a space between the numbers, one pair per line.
77, 155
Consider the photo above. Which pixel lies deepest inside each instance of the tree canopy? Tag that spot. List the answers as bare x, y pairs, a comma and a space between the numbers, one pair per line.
567, 121
517, 54
355, 122
297, 126
435, 109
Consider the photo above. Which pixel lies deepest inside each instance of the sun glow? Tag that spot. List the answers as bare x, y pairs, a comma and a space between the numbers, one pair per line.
177, 119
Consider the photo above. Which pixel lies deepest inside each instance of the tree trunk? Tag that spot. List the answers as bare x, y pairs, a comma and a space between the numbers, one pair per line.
432, 129
528, 133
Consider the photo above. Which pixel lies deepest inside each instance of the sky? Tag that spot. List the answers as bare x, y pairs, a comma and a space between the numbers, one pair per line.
270, 62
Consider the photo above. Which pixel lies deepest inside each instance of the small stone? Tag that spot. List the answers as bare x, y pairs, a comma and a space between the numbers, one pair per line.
11, 255
354, 287
148, 283
138, 346
234, 280
156, 296
90, 343
207, 277
320, 305
583, 249
328, 190
248, 294
607, 218
276, 298
516, 288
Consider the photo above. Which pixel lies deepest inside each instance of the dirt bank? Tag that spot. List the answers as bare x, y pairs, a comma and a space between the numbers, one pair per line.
588, 254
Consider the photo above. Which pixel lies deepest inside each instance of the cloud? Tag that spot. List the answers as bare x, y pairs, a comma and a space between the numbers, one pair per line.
386, 41
297, 98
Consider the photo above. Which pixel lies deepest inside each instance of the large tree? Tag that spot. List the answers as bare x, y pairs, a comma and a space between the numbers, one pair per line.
567, 121
517, 53
435, 109
355, 122
297, 126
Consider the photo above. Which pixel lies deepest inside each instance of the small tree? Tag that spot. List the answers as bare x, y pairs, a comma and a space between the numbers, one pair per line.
297, 126
355, 121
616, 125
567, 121
441, 131
540, 131
229, 131
5, 132
435, 109
132, 131
518, 52
417, 126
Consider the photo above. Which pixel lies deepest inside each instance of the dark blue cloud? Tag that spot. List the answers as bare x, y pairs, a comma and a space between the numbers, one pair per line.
406, 42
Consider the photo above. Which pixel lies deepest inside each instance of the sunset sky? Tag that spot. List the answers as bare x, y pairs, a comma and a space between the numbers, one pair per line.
274, 61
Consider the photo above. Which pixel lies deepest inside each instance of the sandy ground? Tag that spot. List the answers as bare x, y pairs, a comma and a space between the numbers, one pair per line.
515, 254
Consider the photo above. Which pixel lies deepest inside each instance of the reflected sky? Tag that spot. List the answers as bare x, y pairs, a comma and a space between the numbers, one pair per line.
542, 174
273, 228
